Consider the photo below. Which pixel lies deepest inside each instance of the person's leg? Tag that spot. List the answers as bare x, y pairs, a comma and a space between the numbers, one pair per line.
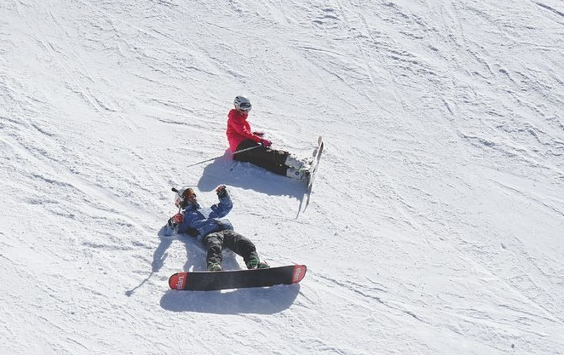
244, 247
246, 144
269, 159
213, 243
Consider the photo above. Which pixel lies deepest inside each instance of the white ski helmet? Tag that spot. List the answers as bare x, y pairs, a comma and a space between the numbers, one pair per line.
241, 103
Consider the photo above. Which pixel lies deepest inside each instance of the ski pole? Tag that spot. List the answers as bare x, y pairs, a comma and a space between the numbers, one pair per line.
238, 151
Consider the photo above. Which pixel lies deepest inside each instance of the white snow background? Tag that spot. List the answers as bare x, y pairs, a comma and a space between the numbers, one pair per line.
435, 225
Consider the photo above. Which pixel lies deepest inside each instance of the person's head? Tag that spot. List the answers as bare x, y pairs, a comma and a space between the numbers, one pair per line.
242, 104
184, 197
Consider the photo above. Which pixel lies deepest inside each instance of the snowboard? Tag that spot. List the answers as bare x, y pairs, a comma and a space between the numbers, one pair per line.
231, 279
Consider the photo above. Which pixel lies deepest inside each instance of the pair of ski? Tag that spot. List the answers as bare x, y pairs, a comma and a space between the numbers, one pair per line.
313, 170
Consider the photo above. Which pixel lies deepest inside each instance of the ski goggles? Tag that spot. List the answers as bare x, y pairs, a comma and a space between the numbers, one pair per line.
183, 195
245, 106
189, 193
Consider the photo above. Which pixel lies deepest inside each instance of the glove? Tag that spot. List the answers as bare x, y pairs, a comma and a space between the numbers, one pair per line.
260, 134
265, 143
178, 218
221, 191
192, 232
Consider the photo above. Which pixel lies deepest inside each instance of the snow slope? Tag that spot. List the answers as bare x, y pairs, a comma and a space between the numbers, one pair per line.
436, 221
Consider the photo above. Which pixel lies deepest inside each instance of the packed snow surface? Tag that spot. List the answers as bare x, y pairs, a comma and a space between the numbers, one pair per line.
435, 226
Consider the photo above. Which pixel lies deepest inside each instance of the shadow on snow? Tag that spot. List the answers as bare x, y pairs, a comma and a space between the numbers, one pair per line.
247, 176
266, 300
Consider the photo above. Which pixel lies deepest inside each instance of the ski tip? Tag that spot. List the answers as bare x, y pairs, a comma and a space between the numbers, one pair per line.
178, 281
299, 273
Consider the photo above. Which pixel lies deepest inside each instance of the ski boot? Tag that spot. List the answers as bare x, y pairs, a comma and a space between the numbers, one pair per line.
298, 164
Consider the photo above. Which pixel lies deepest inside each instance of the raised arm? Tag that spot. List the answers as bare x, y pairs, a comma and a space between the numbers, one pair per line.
225, 204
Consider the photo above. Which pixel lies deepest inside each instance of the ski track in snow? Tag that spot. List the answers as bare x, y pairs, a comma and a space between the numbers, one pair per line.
435, 222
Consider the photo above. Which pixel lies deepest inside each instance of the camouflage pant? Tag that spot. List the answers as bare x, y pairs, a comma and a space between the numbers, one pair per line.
216, 241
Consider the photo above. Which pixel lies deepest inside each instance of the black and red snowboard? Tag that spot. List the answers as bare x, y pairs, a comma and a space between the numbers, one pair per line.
221, 280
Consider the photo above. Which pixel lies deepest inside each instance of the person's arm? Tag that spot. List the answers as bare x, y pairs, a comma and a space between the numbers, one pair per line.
180, 225
171, 226
225, 204
244, 130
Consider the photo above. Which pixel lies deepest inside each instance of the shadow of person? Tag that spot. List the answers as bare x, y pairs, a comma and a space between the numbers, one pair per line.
160, 254
266, 300
247, 176
159, 257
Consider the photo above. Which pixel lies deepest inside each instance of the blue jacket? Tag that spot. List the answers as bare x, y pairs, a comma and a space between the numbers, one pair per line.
205, 220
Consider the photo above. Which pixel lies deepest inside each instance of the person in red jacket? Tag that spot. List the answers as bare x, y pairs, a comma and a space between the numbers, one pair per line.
249, 146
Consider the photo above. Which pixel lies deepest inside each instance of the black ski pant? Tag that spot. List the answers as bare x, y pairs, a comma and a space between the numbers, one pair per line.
216, 241
267, 158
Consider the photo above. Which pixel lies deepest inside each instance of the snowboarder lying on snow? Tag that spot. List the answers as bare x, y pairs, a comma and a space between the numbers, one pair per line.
240, 137
209, 226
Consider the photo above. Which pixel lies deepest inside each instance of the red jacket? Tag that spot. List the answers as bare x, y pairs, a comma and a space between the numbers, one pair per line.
238, 129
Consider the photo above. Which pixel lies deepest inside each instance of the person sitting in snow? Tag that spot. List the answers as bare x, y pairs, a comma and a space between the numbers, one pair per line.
209, 226
249, 146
